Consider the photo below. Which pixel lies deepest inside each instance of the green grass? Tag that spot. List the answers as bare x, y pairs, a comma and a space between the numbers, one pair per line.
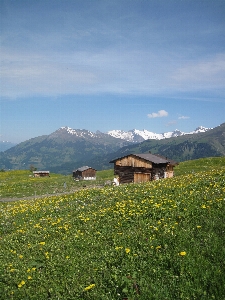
19, 184
156, 240
198, 165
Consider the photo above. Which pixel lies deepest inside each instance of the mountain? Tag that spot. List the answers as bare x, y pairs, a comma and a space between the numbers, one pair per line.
65, 145
209, 143
5, 145
137, 136
67, 149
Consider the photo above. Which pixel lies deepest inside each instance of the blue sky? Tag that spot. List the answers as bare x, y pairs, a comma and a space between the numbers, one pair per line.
102, 65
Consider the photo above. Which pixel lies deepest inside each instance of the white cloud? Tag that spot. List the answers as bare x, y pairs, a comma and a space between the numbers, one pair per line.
207, 73
183, 117
106, 71
159, 114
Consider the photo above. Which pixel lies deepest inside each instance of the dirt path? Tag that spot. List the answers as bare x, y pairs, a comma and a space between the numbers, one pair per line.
47, 195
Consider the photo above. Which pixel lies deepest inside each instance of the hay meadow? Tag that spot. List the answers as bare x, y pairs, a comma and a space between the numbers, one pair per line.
155, 240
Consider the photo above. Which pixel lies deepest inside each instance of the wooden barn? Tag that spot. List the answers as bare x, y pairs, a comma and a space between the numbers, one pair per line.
41, 173
142, 167
85, 173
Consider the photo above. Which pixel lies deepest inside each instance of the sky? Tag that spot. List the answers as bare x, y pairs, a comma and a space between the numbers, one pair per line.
101, 65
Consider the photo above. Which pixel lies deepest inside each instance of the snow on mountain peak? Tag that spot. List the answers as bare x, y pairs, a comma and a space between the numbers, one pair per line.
77, 132
136, 135
200, 129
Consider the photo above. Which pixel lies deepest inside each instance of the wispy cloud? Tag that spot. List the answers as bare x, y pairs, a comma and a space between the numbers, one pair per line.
183, 118
73, 50
171, 123
159, 114
203, 74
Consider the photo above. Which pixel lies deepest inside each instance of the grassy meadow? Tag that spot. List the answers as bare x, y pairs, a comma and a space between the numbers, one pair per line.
155, 240
21, 183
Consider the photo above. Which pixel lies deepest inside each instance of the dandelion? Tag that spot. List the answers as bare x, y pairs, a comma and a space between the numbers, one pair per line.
182, 253
21, 284
91, 286
118, 247
199, 226
20, 256
29, 277
127, 250
42, 243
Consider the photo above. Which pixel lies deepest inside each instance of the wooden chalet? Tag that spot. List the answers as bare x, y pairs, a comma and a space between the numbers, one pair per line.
142, 167
41, 173
85, 173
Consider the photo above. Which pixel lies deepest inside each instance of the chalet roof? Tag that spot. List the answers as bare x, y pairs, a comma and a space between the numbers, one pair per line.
155, 158
84, 168
40, 172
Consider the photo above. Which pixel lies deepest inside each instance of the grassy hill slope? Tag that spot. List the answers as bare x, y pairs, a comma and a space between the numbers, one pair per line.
157, 240
21, 183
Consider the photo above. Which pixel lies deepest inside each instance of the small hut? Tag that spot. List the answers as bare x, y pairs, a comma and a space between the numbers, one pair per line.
41, 173
84, 173
142, 167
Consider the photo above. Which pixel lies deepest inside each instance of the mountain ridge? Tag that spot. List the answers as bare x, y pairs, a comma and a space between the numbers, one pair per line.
66, 149
136, 135
133, 135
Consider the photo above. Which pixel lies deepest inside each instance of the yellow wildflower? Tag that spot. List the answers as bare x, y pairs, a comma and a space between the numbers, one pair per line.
118, 247
42, 243
127, 250
91, 286
182, 253
21, 284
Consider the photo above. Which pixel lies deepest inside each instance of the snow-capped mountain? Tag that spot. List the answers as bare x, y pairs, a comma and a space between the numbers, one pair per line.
132, 136
67, 131
137, 136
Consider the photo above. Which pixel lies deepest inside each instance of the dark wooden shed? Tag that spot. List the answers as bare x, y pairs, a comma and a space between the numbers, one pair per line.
85, 173
41, 173
142, 167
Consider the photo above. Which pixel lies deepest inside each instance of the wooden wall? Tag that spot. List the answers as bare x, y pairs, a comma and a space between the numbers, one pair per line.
131, 161
134, 169
89, 173
142, 177
85, 173
132, 174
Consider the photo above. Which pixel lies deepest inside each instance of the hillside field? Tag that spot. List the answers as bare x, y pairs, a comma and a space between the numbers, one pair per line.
21, 184
156, 240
